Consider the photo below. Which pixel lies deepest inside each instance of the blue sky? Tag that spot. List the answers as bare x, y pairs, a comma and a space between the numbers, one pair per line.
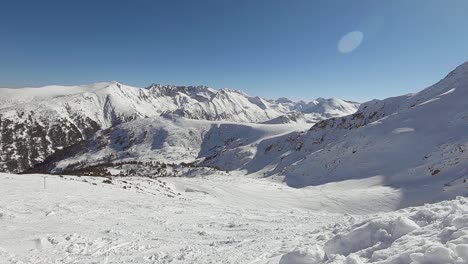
272, 48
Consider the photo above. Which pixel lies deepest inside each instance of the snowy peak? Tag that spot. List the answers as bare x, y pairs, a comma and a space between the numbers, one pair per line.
443, 92
332, 107
68, 115
460, 72
195, 102
173, 90
283, 100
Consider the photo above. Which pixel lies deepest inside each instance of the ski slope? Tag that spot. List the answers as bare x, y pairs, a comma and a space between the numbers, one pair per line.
220, 218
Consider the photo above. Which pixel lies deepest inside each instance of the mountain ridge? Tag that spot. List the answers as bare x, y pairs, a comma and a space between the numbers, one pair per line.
35, 122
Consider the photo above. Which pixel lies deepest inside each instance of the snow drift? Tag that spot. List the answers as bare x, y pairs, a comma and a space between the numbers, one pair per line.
433, 233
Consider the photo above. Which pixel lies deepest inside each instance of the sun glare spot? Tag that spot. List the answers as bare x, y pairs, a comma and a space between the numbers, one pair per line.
350, 41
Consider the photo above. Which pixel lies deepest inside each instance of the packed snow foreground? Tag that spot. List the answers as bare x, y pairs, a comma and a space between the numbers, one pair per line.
218, 219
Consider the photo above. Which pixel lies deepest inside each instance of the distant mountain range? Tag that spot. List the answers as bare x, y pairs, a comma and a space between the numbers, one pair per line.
36, 122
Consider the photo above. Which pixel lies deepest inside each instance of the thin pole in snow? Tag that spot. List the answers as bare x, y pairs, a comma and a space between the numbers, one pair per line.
44, 182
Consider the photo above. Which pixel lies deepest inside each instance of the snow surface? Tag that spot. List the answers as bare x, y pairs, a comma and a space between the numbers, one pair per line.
219, 218
433, 233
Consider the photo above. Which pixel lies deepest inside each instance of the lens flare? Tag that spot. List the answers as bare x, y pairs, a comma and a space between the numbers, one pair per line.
350, 41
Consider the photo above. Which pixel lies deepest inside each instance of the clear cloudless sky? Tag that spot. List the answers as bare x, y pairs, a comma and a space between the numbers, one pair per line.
270, 48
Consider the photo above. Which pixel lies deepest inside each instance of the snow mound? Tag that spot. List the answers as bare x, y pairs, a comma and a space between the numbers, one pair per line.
436, 233
311, 255
373, 234
432, 233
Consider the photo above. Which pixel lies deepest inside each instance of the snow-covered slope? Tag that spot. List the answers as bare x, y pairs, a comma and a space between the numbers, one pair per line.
161, 139
416, 142
35, 122
312, 112
220, 218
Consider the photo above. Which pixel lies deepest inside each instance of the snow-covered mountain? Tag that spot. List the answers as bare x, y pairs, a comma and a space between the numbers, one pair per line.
35, 122
395, 153
314, 111
416, 142
405, 142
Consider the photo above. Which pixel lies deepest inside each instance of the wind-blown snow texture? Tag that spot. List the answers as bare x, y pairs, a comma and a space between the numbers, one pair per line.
35, 122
